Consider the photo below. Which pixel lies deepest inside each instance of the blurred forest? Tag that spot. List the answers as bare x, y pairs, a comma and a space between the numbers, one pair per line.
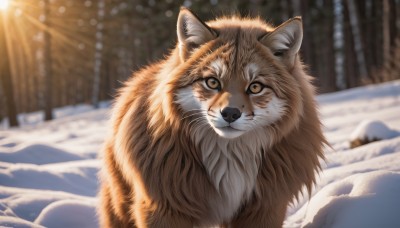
64, 52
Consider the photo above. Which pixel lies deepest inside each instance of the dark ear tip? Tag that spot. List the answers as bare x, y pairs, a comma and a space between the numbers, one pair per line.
298, 18
183, 8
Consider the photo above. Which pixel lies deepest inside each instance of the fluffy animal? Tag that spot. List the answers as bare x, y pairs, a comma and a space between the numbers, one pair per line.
223, 132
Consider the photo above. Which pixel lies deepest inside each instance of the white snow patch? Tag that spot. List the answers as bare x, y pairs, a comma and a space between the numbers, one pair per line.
69, 213
36, 154
371, 130
367, 200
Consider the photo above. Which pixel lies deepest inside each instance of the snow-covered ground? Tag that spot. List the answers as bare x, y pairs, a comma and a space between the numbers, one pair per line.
48, 171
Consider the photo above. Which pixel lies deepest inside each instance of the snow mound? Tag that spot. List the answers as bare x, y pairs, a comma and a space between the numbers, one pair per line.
69, 213
28, 204
372, 129
367, 200
36, 154
73, 177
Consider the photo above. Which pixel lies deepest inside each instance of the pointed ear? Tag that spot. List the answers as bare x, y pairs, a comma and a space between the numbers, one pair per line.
285, 40
192, 32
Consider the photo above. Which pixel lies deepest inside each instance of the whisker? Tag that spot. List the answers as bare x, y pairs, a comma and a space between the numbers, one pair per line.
196, 109
201, 124
194, 120
193, 114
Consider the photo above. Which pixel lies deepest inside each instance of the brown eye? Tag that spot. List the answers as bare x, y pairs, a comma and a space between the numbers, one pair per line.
213, 83
255, 88
279, 53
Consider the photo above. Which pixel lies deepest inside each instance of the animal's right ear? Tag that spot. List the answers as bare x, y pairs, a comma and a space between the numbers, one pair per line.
192, 32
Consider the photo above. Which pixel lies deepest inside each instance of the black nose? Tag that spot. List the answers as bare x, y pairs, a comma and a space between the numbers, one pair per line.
230, 114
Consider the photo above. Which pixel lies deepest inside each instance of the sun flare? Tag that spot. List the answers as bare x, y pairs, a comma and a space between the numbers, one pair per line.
4, 4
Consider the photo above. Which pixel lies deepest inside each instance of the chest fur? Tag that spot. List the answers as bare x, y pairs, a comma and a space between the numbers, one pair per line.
232, 167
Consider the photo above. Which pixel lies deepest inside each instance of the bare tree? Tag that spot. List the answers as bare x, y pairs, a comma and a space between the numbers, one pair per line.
338, 37
5, 76
98, 58
306, 49
48, 74
386, 38
358, 44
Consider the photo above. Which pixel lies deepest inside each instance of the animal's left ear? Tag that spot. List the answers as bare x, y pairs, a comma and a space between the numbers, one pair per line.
192, 32
285, 40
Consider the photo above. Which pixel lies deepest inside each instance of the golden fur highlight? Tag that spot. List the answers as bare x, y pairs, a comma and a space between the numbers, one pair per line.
163, 163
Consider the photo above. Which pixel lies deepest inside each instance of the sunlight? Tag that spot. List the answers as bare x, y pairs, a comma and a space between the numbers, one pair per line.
4, 4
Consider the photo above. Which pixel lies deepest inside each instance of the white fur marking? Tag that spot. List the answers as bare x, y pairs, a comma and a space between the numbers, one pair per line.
185, 98
219, 67
251, 71
273, 112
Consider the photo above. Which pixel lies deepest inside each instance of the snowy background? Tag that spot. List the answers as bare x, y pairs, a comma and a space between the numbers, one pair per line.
48, 171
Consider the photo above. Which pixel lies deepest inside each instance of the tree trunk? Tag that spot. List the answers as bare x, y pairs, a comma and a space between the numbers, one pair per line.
327, 76
306, 49
351, 71
358, 44
339, 44
48, 74
296, 7
5, 76
98, 58
386, 39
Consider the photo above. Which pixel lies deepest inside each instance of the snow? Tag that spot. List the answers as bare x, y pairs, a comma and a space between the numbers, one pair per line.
69, 213
36, 154
48, 171
372, 129
361, 200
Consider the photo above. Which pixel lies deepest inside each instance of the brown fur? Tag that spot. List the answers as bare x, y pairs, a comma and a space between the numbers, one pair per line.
153, 173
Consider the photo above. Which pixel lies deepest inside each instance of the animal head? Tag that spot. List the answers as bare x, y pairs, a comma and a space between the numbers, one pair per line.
235, 74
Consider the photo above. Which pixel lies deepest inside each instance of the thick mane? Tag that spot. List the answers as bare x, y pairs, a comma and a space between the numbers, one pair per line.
166, 167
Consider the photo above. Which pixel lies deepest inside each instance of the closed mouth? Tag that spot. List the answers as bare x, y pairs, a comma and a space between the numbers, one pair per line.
228, 128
